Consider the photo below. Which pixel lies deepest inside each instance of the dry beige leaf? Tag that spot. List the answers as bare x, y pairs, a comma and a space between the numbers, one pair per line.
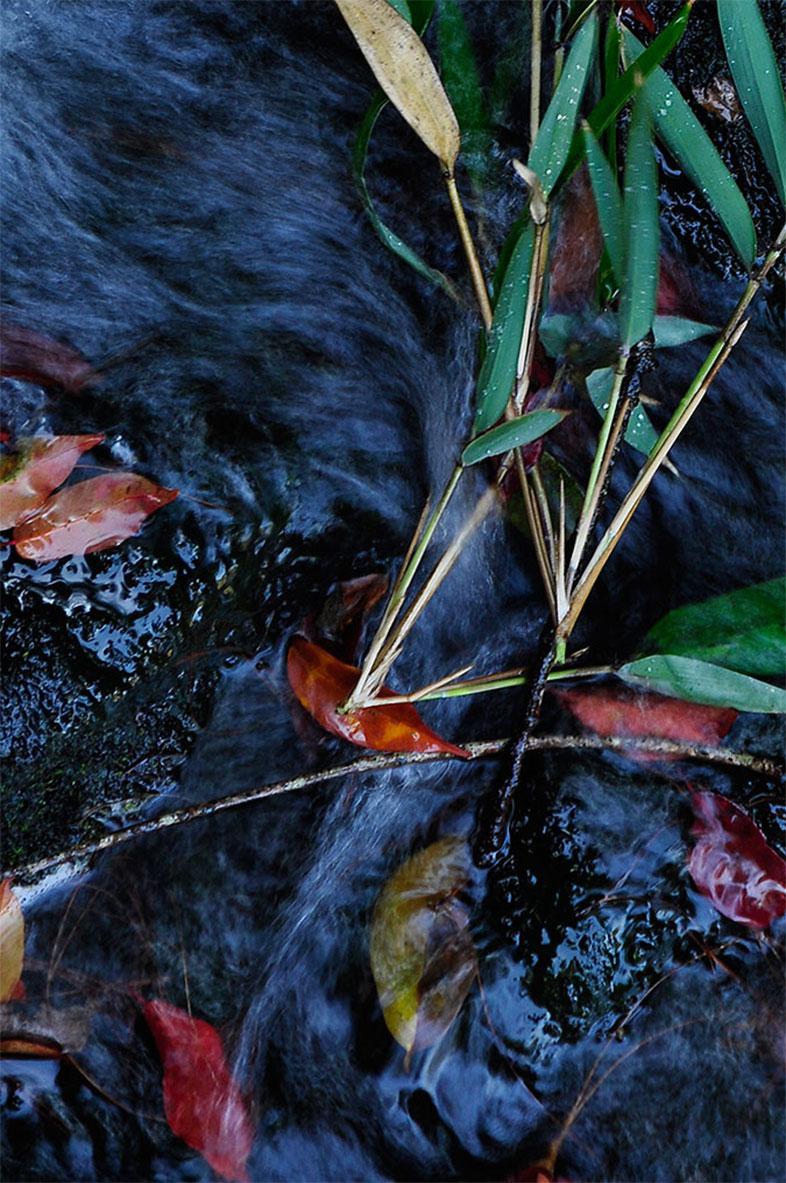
406, 73
12, 941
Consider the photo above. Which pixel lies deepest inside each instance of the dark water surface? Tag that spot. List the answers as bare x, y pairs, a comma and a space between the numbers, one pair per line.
178, 190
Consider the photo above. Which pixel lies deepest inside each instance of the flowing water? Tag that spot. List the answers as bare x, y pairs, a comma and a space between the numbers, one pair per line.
179, 201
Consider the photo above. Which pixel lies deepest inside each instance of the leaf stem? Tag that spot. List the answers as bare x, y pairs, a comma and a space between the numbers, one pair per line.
478, 282
535, 69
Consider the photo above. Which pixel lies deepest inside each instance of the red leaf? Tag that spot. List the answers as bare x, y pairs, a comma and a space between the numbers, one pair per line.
344, 612
322, 683
90, 516
202, 1102
42, 464
35, 358
733, 865
638, 11
615, 711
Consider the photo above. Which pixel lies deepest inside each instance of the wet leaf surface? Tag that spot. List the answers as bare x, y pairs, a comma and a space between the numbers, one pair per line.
322, 683
619, 712
202, 1102
733, 865
91, 516
42, 463
33, 357
12, 941
422, 956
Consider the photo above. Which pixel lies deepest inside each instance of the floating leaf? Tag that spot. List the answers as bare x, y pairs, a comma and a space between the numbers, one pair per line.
422, 956
755, 72
732, 864
12, 941
640, 433
43, 463
322, 683
608, 202
552, 144
679, 330
29, 1049
406, 73
90, 516
391, 240
614, 711
637, 10
202, 1103
699, 681
512, 434
744, 630
35, 358
641, 230
498, 371
686, 139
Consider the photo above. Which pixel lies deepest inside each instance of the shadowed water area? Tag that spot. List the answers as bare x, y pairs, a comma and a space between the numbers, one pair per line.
179, 206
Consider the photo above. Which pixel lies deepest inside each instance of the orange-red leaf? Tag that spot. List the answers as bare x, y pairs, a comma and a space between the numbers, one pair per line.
202, 1102
733, 864
90, 516
322, 683
609, 710
42, 464
12, 941
34, 358
30, 1048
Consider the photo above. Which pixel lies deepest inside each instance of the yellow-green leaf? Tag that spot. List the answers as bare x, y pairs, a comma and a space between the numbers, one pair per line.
422, 956
12, 941
406, 73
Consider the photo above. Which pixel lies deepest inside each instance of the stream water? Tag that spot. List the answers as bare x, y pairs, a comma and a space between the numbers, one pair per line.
178, 192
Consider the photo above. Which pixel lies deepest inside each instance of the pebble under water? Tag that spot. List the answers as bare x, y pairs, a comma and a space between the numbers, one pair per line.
180, 208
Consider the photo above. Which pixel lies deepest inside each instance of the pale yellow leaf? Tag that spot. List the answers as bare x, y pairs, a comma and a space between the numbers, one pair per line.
406, 73
12, 941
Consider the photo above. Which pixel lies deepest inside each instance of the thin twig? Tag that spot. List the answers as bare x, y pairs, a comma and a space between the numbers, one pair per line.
761, 765
535, 64
475, 270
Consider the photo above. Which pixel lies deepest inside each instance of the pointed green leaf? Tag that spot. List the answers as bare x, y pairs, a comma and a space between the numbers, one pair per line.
498, 372
699, 681
608, 201
686, 139
744, 630
552, 143
462, 82
755, 73
513, 434
678, 330
402, 8
641, 230
640, 433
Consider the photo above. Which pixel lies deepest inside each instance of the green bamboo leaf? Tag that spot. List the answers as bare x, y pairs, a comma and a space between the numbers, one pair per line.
403, 9
389, 237
679, 330
513, 434
744, 630
462, 82
699, 681
498, 372
608, 201
618, 92
406, 73
755, 73
640, 433
686, 139
552, 144
422, 12
641, 230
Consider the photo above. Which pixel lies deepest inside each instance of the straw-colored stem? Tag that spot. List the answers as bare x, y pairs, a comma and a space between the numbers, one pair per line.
475, 270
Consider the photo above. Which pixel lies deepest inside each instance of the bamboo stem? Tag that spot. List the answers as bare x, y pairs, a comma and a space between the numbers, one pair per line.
475, 270
535, 67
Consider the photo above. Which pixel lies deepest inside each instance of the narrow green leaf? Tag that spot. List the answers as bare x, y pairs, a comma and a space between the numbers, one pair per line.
744, 630
686, 139
641, 230
640, 433
618, 93
678, 330
513, 434
462, 82
389, 237
699, 681
608, 201
552, 143
498, 372
755, 73
422, 12
402, 8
